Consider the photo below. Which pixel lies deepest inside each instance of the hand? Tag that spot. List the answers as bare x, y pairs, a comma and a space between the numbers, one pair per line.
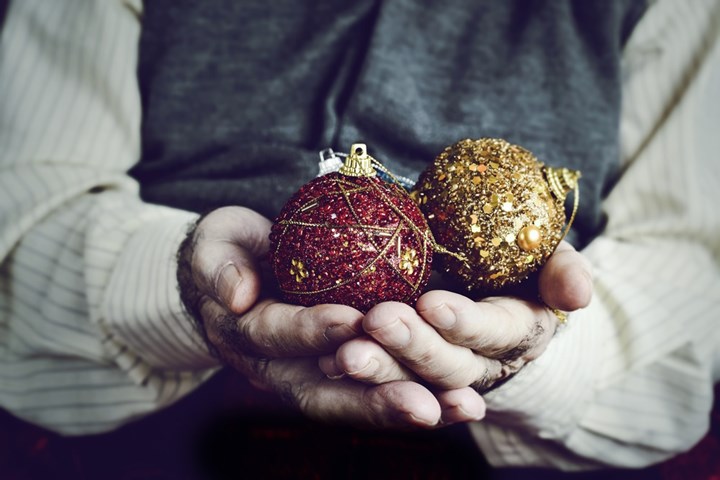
451, 341
276, 345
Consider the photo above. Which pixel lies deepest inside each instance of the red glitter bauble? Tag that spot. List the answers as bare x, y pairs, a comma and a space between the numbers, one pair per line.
352, 240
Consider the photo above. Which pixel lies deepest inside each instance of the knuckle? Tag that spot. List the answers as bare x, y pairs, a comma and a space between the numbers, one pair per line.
525, 345
483, 382
425, 357
457, 377
375, 409
214, 333
247, 333
232, 332
430, 365
490, 374
259, 367
387, 372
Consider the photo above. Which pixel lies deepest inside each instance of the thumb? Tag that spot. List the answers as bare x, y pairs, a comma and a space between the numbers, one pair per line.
566, 279
228, 243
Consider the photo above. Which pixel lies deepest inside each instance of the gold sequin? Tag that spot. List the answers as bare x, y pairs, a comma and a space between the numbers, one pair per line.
409, 261
298, 270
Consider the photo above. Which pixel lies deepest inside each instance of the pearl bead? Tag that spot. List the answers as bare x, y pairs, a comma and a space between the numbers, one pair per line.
529, 238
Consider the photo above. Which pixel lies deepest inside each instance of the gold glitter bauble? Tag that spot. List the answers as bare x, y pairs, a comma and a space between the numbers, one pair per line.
496, 208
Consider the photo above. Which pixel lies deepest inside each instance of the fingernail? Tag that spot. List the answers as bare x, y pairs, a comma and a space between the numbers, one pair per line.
227, 282
472, 415
329, 367
339, 333
464, 412
442, 316
455, 414
370, 367
394, 335
430, 422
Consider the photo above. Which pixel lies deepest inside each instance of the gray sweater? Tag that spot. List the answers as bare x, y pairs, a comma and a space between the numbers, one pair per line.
239, 96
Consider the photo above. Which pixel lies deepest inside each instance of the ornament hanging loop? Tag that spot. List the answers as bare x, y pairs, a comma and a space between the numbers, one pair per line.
358, 163
561, 181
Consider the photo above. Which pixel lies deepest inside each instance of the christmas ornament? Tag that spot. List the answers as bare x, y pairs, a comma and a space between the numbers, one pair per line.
349, 237
497, 208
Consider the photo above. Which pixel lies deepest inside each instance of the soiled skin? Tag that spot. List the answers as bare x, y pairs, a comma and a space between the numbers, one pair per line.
393, 367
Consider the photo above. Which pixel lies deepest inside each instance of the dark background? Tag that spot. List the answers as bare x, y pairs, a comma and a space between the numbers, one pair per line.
207, 436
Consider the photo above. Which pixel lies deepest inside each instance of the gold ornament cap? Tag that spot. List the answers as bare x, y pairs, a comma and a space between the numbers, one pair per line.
561, 181
358, 163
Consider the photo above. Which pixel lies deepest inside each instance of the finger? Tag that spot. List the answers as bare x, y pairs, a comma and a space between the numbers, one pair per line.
304, 386
457, 405
274, 329
227, 243
394, 404
566, 279
461, 405
226, 273
504, 328
330, 367
364, 360
408, 338
238, 225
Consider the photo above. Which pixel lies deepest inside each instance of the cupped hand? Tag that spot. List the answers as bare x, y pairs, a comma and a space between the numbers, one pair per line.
277, 345
450, 341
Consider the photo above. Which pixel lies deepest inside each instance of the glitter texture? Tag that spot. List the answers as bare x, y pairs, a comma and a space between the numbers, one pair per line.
354, 240
490, 202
